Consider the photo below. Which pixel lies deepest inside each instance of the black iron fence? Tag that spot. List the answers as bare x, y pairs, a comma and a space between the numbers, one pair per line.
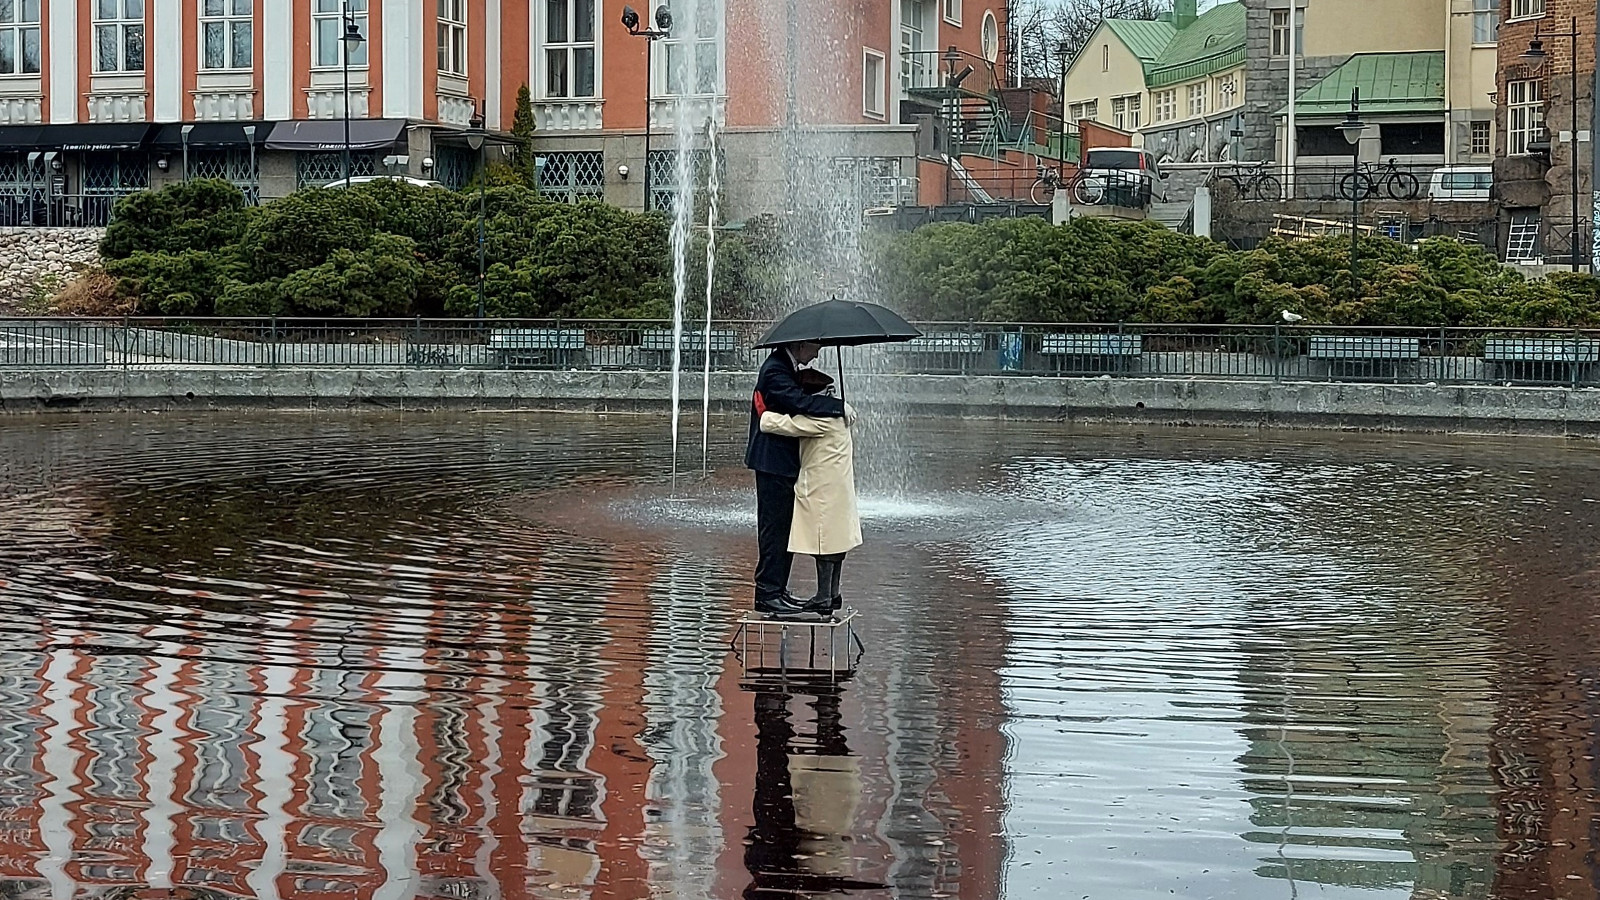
1268, 352
43, 210
1388, 180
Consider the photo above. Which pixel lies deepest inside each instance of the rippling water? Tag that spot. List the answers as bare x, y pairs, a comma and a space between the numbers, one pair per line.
488, 656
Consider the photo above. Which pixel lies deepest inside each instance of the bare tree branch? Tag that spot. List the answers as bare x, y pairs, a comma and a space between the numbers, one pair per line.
1046, 28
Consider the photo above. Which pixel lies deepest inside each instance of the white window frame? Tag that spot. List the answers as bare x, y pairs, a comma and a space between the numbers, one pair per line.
1105, 58
873, 100
324, 12
1227, 91
1084, 109
1279, 27
452, 37
1197, 100
228, 21
700, 42
1524, 115
914, 63
1485, 20
126, 20
989, 36
1481, 128
1164, 105
24, 21
952, 11
571, 48
1526, 9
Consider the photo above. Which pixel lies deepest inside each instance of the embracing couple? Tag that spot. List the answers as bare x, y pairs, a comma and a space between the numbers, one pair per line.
801, 452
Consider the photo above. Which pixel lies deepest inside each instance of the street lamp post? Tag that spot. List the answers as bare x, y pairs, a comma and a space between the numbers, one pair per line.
630, 21
347, 42
475, 139
1061, 149
255, 176
185, 132
1536, 55
1351, 128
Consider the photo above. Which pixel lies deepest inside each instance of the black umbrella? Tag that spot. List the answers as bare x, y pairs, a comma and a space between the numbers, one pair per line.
840, 323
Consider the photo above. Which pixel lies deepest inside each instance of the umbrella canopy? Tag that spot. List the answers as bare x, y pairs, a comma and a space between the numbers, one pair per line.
841, 323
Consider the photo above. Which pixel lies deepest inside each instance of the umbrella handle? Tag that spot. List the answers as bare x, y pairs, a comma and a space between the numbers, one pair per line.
838, 357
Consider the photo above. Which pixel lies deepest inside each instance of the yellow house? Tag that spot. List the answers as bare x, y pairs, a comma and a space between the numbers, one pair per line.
1175, 84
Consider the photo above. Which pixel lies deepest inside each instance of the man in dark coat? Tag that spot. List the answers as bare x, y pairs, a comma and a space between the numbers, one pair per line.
776, 461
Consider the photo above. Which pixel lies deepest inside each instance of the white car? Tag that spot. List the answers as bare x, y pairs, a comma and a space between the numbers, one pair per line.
1120, 176
368, 179
1461, 183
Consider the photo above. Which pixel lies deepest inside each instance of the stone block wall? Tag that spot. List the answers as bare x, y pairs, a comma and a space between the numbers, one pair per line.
35, 261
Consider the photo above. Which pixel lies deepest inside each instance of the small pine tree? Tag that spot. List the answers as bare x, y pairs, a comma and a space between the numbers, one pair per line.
522, 127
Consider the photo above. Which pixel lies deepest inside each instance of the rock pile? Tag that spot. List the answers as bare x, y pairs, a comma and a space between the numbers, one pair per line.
39, 261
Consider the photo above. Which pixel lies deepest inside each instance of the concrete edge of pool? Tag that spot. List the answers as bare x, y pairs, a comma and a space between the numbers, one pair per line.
1459, 408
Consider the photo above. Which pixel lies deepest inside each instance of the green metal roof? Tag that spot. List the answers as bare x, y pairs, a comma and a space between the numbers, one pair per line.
1212, 43
1390, 83
1145, 39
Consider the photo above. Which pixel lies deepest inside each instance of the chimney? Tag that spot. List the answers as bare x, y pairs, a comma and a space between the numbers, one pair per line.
1184, 12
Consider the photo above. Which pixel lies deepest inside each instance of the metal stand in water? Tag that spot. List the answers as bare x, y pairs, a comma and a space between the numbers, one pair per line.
840, 652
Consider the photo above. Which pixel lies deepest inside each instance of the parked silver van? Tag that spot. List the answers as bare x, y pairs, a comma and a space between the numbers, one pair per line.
1461, 183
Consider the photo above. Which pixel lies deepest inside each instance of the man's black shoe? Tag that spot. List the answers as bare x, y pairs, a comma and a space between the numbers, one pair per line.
784, 606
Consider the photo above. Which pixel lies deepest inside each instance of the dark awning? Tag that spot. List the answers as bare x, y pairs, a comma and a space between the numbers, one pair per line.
92, 136
211, 134
328, 134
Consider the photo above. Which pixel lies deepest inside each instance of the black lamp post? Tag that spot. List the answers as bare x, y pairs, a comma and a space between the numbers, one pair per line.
1351, 128
475, 140
1536, 56
348, 42
630, 21
1061, 151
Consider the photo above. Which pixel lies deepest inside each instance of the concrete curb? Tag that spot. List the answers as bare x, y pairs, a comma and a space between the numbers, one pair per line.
1178, 401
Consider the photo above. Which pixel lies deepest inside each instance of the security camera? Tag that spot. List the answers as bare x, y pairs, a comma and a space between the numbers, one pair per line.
622, 172
630, 18
663, 18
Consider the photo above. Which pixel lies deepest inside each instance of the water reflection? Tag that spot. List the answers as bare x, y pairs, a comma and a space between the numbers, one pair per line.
488, 657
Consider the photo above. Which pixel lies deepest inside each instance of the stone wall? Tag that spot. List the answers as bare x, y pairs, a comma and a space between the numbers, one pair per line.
38, 261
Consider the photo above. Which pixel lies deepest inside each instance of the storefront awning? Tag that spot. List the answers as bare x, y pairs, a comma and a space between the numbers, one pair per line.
92, 136
211, 134
328, 134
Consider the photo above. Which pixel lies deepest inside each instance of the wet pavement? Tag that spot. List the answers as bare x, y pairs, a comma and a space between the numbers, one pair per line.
488, 656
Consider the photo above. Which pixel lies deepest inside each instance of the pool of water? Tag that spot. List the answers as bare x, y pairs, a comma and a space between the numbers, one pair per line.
489, 656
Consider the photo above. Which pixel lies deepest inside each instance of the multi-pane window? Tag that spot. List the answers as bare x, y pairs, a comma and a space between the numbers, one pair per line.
453, 37
692, 62
19, 37
1280, 34
328, 18
915, 70
952, 11
1166, 105
315, 169
1227, 90
1485, 21
119, 35
1197, 99
1125, 112
569, 48
1524, 115
872, 83
225, 34
1480, 139
1088, 109
1523, 9
573, 175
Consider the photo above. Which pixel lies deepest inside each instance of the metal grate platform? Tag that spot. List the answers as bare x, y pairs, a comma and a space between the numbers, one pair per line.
838, 645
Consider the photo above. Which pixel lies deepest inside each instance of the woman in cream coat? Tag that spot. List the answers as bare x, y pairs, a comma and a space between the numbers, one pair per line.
826, 524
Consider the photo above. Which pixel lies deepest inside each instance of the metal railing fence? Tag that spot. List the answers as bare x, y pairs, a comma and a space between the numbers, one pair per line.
38, 209
1284, 352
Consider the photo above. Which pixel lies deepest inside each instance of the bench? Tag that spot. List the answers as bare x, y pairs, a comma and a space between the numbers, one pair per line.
940, 351
521, 348
1091, 353
656, 345
1549, 360
1364, 357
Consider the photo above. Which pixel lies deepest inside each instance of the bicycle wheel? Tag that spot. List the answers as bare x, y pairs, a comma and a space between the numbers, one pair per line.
1227, 188
1268, 187
1403, 186
1042, 193
1357, 186
1088, 194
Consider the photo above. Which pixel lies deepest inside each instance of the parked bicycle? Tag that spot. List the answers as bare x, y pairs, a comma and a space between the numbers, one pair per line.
1045, 186
1245, 182
1394, 181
